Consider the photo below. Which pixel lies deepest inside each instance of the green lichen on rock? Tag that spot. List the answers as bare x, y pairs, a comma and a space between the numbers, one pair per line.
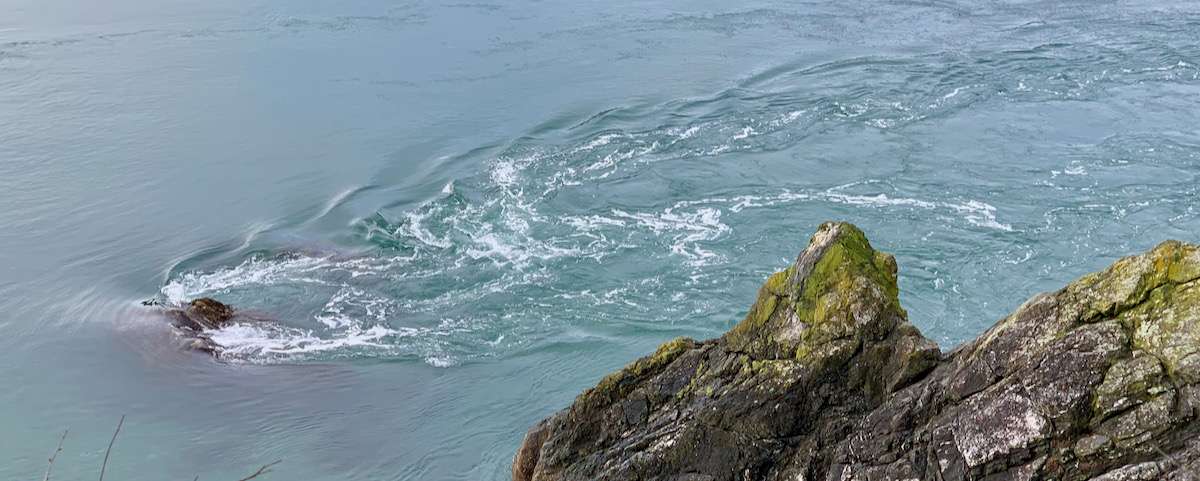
838, 287
848, 257
777, 284
1167, 326
826, 379
747, 333
1156, 295
1128, 383
617, 384
1129, 281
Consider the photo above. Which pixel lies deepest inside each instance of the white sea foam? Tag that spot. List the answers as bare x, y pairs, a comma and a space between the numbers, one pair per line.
353, 317
371, 306
720, 149
788, 118
413, 228
686, 228
746, 133
611, 161
1075, 170
980, 214
687, 133
440, 361
976, 213
259, 343
507, 215
596, 143
880, 200
955, 92
592, 222
262, 271
505, 172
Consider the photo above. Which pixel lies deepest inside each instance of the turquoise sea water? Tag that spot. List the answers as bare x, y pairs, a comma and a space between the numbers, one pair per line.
467, 213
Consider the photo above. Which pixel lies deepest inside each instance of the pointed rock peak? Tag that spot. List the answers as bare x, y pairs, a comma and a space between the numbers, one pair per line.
840, 250
840, 292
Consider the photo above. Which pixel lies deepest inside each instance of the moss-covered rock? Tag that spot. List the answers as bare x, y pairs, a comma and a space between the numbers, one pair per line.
618, 384
825, 378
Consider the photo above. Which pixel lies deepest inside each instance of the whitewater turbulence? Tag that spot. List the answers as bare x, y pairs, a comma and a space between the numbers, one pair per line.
602, 224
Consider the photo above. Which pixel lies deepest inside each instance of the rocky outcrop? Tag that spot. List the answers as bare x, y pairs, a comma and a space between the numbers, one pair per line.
826, 379
202, 314
194, 321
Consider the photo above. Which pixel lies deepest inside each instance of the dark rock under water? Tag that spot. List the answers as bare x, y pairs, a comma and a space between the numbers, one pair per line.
193, 322
826, 379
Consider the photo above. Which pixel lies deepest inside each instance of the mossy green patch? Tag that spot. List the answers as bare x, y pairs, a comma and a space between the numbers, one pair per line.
850, 257
694, 383
1129, 281
777, 284
618, 384
819, 298
742, 335
1165, 326
829, 295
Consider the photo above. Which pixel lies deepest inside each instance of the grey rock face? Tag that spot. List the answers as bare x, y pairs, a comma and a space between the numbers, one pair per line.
826, 379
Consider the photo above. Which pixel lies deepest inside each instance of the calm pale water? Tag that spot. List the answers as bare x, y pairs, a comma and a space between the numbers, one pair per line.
467, 213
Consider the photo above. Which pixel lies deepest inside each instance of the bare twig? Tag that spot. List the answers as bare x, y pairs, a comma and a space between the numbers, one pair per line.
52, 458
110, 445
262, 470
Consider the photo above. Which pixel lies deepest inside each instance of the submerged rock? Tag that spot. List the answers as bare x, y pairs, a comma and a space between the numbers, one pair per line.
826, 379
194, 320
203, 313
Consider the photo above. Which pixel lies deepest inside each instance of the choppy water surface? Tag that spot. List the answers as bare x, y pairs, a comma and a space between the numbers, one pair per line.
466, 214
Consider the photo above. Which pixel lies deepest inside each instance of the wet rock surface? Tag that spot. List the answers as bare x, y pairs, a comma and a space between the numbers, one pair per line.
826, 379
194, 320
203, 313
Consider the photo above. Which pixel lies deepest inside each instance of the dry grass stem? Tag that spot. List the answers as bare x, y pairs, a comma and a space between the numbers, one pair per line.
262, 470
110, 445
52, 458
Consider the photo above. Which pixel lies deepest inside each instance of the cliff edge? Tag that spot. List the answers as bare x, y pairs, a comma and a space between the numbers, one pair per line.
826, 379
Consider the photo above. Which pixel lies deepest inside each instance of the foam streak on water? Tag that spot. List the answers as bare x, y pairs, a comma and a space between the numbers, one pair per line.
953, 158
488, 236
